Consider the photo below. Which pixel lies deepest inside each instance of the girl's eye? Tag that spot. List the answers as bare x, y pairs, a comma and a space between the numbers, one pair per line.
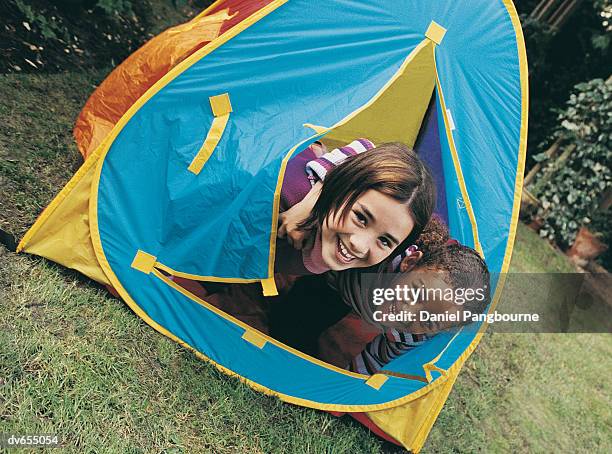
361, 218
385, 242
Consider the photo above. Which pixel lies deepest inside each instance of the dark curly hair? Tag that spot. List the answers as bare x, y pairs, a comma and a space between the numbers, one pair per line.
434, 234
463, 267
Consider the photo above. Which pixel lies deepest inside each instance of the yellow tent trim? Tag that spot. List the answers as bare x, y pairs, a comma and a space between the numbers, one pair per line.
516, 23
276, 203
459, 172
197, 277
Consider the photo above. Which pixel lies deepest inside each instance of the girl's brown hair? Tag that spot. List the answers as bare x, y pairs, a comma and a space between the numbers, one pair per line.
392, 169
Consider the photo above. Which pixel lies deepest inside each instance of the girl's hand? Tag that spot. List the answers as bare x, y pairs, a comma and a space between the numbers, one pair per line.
289, 220
319, 149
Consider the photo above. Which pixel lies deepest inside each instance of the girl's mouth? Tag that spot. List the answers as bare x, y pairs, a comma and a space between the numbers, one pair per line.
342, 254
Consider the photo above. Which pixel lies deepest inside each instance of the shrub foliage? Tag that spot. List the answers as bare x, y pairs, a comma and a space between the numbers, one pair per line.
50, 36
570, 187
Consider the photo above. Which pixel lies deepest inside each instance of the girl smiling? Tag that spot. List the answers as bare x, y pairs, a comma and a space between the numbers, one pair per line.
366, 208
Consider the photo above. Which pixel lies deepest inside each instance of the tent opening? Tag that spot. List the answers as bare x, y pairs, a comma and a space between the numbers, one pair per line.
406, 112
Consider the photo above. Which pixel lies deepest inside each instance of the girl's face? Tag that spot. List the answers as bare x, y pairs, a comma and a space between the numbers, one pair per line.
374, 227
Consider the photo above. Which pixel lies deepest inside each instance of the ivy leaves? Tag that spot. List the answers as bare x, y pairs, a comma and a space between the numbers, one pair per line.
570, 187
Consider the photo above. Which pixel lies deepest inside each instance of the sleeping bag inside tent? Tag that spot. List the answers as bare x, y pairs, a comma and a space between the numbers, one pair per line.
186, 172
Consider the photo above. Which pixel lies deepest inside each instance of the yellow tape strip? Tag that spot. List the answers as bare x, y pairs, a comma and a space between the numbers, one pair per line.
376, 381
221, 108
144, 262
435, 32
220, 105
429, 367
254, 338
269, 287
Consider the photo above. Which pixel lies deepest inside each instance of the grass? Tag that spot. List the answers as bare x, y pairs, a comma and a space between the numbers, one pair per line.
76, 362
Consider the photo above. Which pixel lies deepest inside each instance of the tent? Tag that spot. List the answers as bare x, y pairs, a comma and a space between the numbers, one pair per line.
186, 145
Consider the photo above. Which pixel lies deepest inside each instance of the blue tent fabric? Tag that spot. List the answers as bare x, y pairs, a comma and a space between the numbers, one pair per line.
301, 64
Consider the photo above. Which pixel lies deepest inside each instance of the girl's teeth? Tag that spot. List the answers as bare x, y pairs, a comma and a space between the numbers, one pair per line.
345, 252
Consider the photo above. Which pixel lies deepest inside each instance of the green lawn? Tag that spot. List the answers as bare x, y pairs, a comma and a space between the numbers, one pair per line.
79, 363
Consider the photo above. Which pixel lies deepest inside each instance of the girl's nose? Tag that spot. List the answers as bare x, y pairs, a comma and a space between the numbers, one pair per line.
359, 244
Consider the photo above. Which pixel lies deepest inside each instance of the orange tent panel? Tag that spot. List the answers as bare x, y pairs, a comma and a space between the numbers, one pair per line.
133, 77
